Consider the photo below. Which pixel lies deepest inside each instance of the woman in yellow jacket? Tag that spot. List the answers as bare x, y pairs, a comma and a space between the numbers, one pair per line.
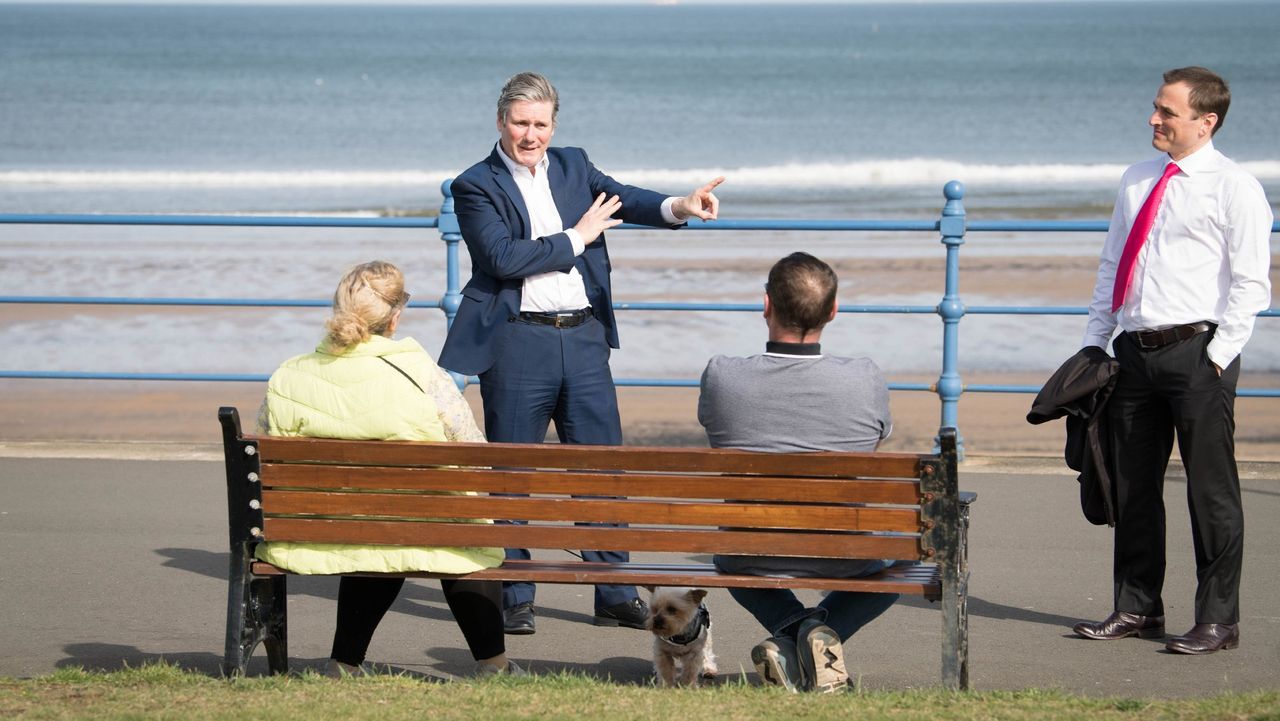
360, 384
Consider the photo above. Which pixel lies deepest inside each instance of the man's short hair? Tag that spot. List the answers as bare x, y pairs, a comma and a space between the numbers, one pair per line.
1209, 92
802, 290
529, 88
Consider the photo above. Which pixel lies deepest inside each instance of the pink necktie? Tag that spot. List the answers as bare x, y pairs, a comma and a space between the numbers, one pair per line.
1138, 235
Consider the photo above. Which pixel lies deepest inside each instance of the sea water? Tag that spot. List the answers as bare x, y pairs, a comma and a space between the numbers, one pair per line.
811, 111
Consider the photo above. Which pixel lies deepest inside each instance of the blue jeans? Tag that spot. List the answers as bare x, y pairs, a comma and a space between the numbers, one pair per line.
778, 608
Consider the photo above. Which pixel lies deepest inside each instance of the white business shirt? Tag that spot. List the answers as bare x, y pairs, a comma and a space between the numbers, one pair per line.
555, 291
1208, 256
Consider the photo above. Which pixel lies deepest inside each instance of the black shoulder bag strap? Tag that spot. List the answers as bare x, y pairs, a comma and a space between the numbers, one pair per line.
401, 372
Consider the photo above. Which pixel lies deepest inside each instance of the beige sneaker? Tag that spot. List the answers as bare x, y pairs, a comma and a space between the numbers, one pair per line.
821, 658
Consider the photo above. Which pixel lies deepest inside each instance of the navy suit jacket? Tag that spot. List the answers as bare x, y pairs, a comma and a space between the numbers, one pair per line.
496, 228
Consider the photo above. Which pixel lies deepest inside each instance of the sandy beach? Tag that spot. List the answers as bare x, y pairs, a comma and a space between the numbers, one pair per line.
186, 413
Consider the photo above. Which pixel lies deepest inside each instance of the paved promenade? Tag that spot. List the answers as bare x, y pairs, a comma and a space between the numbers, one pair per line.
114, 555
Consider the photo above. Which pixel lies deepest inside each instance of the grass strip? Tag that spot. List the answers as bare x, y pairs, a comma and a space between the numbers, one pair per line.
160, 691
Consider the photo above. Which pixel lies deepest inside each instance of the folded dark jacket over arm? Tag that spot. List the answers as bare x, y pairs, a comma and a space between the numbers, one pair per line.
1079, 390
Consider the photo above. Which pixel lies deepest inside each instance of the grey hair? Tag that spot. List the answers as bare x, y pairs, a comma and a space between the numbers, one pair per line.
529, 88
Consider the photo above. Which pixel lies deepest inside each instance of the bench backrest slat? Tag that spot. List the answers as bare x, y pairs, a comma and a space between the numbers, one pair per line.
554, 455
770, 488
777, 543
410, 508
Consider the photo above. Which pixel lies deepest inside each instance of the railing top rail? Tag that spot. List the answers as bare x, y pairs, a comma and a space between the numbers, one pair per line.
1037, 226
287, 221
430, 222
290, 221
784, 224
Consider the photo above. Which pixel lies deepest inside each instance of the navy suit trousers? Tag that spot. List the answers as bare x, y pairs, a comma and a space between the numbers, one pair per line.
545, 374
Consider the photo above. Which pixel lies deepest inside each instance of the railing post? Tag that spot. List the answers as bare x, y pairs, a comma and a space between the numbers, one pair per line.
952, 228
451, 234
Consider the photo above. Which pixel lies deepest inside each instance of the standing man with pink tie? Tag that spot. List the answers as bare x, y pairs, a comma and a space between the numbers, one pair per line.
1184, 272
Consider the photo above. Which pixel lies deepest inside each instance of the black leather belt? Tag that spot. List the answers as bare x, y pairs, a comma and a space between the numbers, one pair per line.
567, 319
1152, 339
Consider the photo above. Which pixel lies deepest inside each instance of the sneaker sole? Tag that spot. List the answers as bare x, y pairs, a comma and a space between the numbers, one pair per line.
822, 651
771, 668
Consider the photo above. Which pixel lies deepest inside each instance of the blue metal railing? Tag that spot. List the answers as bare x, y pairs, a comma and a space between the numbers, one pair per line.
953, 226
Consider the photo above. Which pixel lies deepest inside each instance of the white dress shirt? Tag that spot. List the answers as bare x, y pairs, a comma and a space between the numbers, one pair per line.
555, 291
1208, 256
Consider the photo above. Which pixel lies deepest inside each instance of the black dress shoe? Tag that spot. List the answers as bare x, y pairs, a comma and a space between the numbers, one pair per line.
518, 620
631, 614
1206, 638
1121, 624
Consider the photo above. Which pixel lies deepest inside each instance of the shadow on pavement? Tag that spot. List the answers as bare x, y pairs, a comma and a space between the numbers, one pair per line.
999, 611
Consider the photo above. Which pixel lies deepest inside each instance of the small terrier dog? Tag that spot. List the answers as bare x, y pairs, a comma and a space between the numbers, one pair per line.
681, 627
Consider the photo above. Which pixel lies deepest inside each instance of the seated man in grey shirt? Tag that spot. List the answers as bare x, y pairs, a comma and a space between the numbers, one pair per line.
793, 399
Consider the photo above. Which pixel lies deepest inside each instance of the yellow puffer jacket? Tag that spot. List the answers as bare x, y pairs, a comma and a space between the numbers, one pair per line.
358, 396
355, 395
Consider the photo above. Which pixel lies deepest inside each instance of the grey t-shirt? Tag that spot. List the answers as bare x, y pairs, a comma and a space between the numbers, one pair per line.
794, 403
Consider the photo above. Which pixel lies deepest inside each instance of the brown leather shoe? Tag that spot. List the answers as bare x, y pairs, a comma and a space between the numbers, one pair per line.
1206, 638
1121, 624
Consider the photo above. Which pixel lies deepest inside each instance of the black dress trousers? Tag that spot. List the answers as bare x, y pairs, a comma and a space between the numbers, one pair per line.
1174, 391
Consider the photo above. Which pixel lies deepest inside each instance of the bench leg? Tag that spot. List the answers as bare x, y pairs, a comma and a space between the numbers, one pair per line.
275, 621
955, 611
955, 630
256, 613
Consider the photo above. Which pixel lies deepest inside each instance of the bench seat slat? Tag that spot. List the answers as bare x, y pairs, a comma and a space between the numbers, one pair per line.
827, 490
553, 455
744, 515
777, 543
915, 580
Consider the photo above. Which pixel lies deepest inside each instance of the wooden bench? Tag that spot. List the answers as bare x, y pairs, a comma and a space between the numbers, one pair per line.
676, 500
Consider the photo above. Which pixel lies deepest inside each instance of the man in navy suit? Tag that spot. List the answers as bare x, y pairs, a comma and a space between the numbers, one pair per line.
536, 320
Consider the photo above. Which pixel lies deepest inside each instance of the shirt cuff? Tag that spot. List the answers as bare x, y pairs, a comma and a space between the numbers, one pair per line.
1219, 356
575, 238
669, 215
1096, 340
